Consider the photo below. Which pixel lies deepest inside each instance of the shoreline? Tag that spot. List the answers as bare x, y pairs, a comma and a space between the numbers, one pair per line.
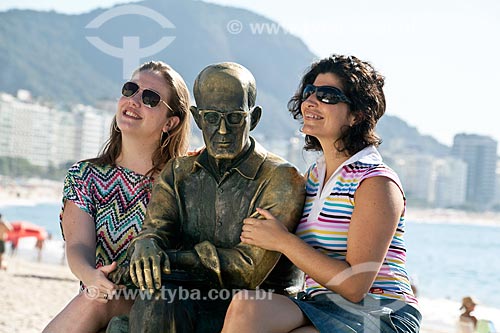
452, 216
39, 191
31, 192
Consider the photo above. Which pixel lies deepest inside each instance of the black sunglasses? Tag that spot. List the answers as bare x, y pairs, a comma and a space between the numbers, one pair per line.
325, 94
150, 98
233, 118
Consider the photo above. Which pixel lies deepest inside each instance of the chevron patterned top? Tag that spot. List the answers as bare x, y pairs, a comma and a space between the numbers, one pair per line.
116, 198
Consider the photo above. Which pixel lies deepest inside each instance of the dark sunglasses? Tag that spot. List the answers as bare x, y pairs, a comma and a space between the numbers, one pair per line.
150, 98
325, 94
233, 118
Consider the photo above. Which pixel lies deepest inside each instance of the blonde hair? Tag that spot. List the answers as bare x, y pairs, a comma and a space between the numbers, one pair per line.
172, 144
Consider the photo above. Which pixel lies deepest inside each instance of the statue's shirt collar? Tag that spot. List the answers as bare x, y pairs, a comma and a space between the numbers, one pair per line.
248, 167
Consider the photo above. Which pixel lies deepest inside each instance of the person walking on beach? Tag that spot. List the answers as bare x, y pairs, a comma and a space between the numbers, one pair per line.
349, 241
105, 198
39, 248
39, 245
467, 322
5, 227
14, 242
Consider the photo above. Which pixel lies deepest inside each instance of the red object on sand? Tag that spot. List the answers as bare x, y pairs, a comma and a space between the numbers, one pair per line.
22, 229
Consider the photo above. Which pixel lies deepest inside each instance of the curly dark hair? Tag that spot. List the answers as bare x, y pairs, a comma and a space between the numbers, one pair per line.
363, 86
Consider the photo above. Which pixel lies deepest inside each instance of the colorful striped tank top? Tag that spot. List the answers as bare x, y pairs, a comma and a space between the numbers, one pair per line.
326, 217
116, 198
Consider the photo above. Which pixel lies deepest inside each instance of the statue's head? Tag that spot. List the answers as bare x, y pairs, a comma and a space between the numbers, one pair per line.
226, 113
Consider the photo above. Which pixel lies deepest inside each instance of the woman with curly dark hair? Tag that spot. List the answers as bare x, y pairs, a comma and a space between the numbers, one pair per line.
349, 241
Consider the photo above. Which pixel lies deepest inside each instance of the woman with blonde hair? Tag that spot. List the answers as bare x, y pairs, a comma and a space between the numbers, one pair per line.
105, 198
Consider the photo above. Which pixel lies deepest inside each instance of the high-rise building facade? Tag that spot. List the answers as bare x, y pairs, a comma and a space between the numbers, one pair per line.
92, 128
417, 176
480, 154
497, 193
50, 136
25, 130
430, 181
450, 183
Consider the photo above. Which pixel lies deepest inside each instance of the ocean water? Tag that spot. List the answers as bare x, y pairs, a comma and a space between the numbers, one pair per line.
447, 261
45, 215
452, 261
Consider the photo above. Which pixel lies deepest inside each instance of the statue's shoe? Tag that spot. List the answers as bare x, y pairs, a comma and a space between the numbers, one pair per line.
118, 324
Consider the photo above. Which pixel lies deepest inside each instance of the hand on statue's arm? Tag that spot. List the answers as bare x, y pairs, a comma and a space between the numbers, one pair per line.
98, 283
79, 234
121, 276
267, 232
278, 210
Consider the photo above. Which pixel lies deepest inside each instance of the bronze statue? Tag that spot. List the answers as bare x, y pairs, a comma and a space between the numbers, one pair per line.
191, 235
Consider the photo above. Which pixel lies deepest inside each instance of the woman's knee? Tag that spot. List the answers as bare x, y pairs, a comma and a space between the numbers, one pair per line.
244, 307
72, 317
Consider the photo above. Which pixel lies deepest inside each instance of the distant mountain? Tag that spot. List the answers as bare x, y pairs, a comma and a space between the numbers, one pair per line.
399, 137
48, 54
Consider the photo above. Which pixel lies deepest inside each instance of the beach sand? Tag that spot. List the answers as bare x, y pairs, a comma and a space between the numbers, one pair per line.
32, 293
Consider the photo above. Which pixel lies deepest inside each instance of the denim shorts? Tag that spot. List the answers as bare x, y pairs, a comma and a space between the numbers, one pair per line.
330, 312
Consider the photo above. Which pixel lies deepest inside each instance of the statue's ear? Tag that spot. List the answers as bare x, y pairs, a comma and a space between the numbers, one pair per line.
256, 113
196, 115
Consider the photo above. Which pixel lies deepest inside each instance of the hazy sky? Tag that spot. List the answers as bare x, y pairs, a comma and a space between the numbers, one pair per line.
439, 57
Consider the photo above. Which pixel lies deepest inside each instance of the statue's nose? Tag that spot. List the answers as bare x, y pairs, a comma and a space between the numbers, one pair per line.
222, 126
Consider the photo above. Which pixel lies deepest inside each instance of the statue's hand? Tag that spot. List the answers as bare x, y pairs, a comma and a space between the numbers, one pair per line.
147, 262
120, 276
